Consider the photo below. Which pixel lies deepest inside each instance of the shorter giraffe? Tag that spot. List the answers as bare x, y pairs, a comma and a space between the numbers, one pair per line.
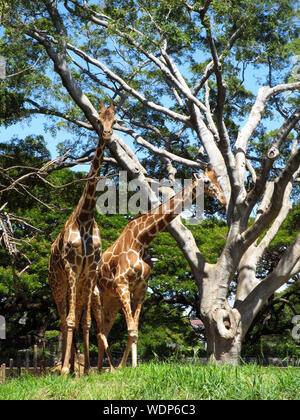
126, 267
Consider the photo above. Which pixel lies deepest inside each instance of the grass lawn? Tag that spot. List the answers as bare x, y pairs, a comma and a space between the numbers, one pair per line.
162, 381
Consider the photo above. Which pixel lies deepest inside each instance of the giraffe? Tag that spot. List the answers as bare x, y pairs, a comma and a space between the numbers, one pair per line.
76, 253
125, 266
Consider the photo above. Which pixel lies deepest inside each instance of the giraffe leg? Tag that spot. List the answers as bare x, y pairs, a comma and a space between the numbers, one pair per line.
58, 286
138, 300
70, 321
105, 314
87, 320
68, 359
61, 307
72, 357
131, 345
86, 325
125, 300
97, 308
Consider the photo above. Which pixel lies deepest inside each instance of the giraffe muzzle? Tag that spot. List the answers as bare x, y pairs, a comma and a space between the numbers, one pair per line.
107, 135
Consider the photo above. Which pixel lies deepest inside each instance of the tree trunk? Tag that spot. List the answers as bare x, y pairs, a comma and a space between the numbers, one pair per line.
222, 350
222, 323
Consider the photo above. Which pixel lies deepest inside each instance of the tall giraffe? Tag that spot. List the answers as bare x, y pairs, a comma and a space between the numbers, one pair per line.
125, 266
76, 253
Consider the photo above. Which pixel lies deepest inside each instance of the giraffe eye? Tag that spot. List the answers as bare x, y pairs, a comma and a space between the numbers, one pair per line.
206, 182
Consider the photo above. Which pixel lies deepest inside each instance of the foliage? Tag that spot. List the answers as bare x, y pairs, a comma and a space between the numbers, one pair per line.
10, 106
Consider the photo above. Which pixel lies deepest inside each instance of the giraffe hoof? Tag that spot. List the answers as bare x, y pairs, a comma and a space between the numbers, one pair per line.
65, 371
56, 368
121, 366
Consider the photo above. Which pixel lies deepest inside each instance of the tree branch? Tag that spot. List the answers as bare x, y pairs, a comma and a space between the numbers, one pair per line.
173, 76
273, 153
160, 152
46, 111
60, 63
224, 141
247, 280
210, 67
21, 71
250, 307
113, 76
254, 119
268, 216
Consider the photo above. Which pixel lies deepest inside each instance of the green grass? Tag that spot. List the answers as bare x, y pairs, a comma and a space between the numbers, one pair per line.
162, 381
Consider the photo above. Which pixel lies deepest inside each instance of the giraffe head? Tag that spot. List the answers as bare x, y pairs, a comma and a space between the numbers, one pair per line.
107, 119
212, 186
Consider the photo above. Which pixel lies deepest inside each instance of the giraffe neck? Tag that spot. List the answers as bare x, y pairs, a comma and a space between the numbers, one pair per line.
85, 210
155, 220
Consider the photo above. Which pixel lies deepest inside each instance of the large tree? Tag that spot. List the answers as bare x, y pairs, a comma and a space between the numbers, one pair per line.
177, 71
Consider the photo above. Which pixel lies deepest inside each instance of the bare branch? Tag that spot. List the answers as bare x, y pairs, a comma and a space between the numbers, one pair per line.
61, 66
224, 141
296, 269
251, 170
247, 280
287, 266
210, 67
43, 172
7, 234
21, 71
113, 76
268, 216
208, 114
173, 76
46, 111
272, 154
254, 119
282, 134
215, 156
161, 152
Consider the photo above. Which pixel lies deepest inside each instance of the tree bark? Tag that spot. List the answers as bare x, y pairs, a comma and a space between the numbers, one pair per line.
221, 350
